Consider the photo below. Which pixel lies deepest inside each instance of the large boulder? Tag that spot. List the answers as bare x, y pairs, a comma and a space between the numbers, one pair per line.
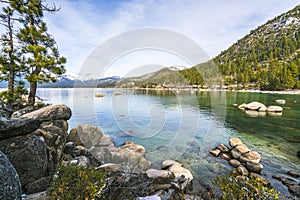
34, 143
255, 106
10, 187
85, 135
49, 113
178, 170
17, 127
54, 133
29, 156
19, 113
128, 156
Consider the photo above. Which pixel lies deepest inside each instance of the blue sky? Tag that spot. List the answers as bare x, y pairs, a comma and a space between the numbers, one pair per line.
83, 25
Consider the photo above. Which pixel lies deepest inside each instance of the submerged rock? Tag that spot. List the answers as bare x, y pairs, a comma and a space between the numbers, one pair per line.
280, 101
168, 163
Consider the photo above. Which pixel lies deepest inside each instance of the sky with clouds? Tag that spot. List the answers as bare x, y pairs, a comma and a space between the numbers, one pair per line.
83, 25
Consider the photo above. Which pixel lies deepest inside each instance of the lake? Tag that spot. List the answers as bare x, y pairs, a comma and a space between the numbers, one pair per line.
184, 125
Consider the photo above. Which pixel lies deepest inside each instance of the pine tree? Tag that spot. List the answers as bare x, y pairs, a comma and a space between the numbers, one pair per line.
43, 62
10, 65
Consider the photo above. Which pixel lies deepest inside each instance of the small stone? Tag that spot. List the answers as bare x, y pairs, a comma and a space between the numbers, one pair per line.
293, 174
254, 167
110, 167
287, 181
242, 170
178, 171
80, 150
168, 163
215, 152
280, 101
223, 148
242, 106
154, 197
69, 147
225, 156
298, 154
250, 156
274, 109
239, 150
235, 141
295, 189
277, 177
234, 163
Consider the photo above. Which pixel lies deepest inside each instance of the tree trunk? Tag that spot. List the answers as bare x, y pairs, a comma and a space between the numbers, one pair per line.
11, 78
32, 92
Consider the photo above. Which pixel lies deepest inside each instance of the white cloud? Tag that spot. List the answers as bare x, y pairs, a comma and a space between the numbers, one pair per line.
81, 26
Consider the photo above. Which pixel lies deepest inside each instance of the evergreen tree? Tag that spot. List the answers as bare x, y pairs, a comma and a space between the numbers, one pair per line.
41, 57
10, 65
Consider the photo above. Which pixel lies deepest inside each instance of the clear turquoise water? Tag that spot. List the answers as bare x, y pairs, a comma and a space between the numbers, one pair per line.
184, 125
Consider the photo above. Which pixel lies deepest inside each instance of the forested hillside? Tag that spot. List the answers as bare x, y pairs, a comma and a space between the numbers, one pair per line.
268, 56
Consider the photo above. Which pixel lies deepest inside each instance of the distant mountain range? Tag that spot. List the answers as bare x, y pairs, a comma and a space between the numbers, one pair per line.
68, 81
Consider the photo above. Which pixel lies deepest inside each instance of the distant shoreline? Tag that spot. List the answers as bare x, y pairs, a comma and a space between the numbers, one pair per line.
294, 91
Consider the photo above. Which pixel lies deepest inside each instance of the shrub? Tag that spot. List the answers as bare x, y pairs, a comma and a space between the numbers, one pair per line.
80, 183
252, 188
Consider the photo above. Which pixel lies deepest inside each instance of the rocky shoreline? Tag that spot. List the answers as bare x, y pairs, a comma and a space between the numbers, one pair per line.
35, 142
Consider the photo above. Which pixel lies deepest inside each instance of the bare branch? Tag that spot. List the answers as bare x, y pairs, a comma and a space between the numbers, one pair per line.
51, 9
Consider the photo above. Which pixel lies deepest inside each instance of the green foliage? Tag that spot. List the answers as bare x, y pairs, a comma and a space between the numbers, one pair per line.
235, 188
80, 183
16, 97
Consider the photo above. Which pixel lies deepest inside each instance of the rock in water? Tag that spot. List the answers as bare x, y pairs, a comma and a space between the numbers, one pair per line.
274, 109
280, 101
157, 173
255, 106
10, 187
85, 135
215, 152
235, 141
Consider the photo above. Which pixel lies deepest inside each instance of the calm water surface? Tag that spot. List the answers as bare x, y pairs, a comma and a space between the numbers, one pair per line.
185, 125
